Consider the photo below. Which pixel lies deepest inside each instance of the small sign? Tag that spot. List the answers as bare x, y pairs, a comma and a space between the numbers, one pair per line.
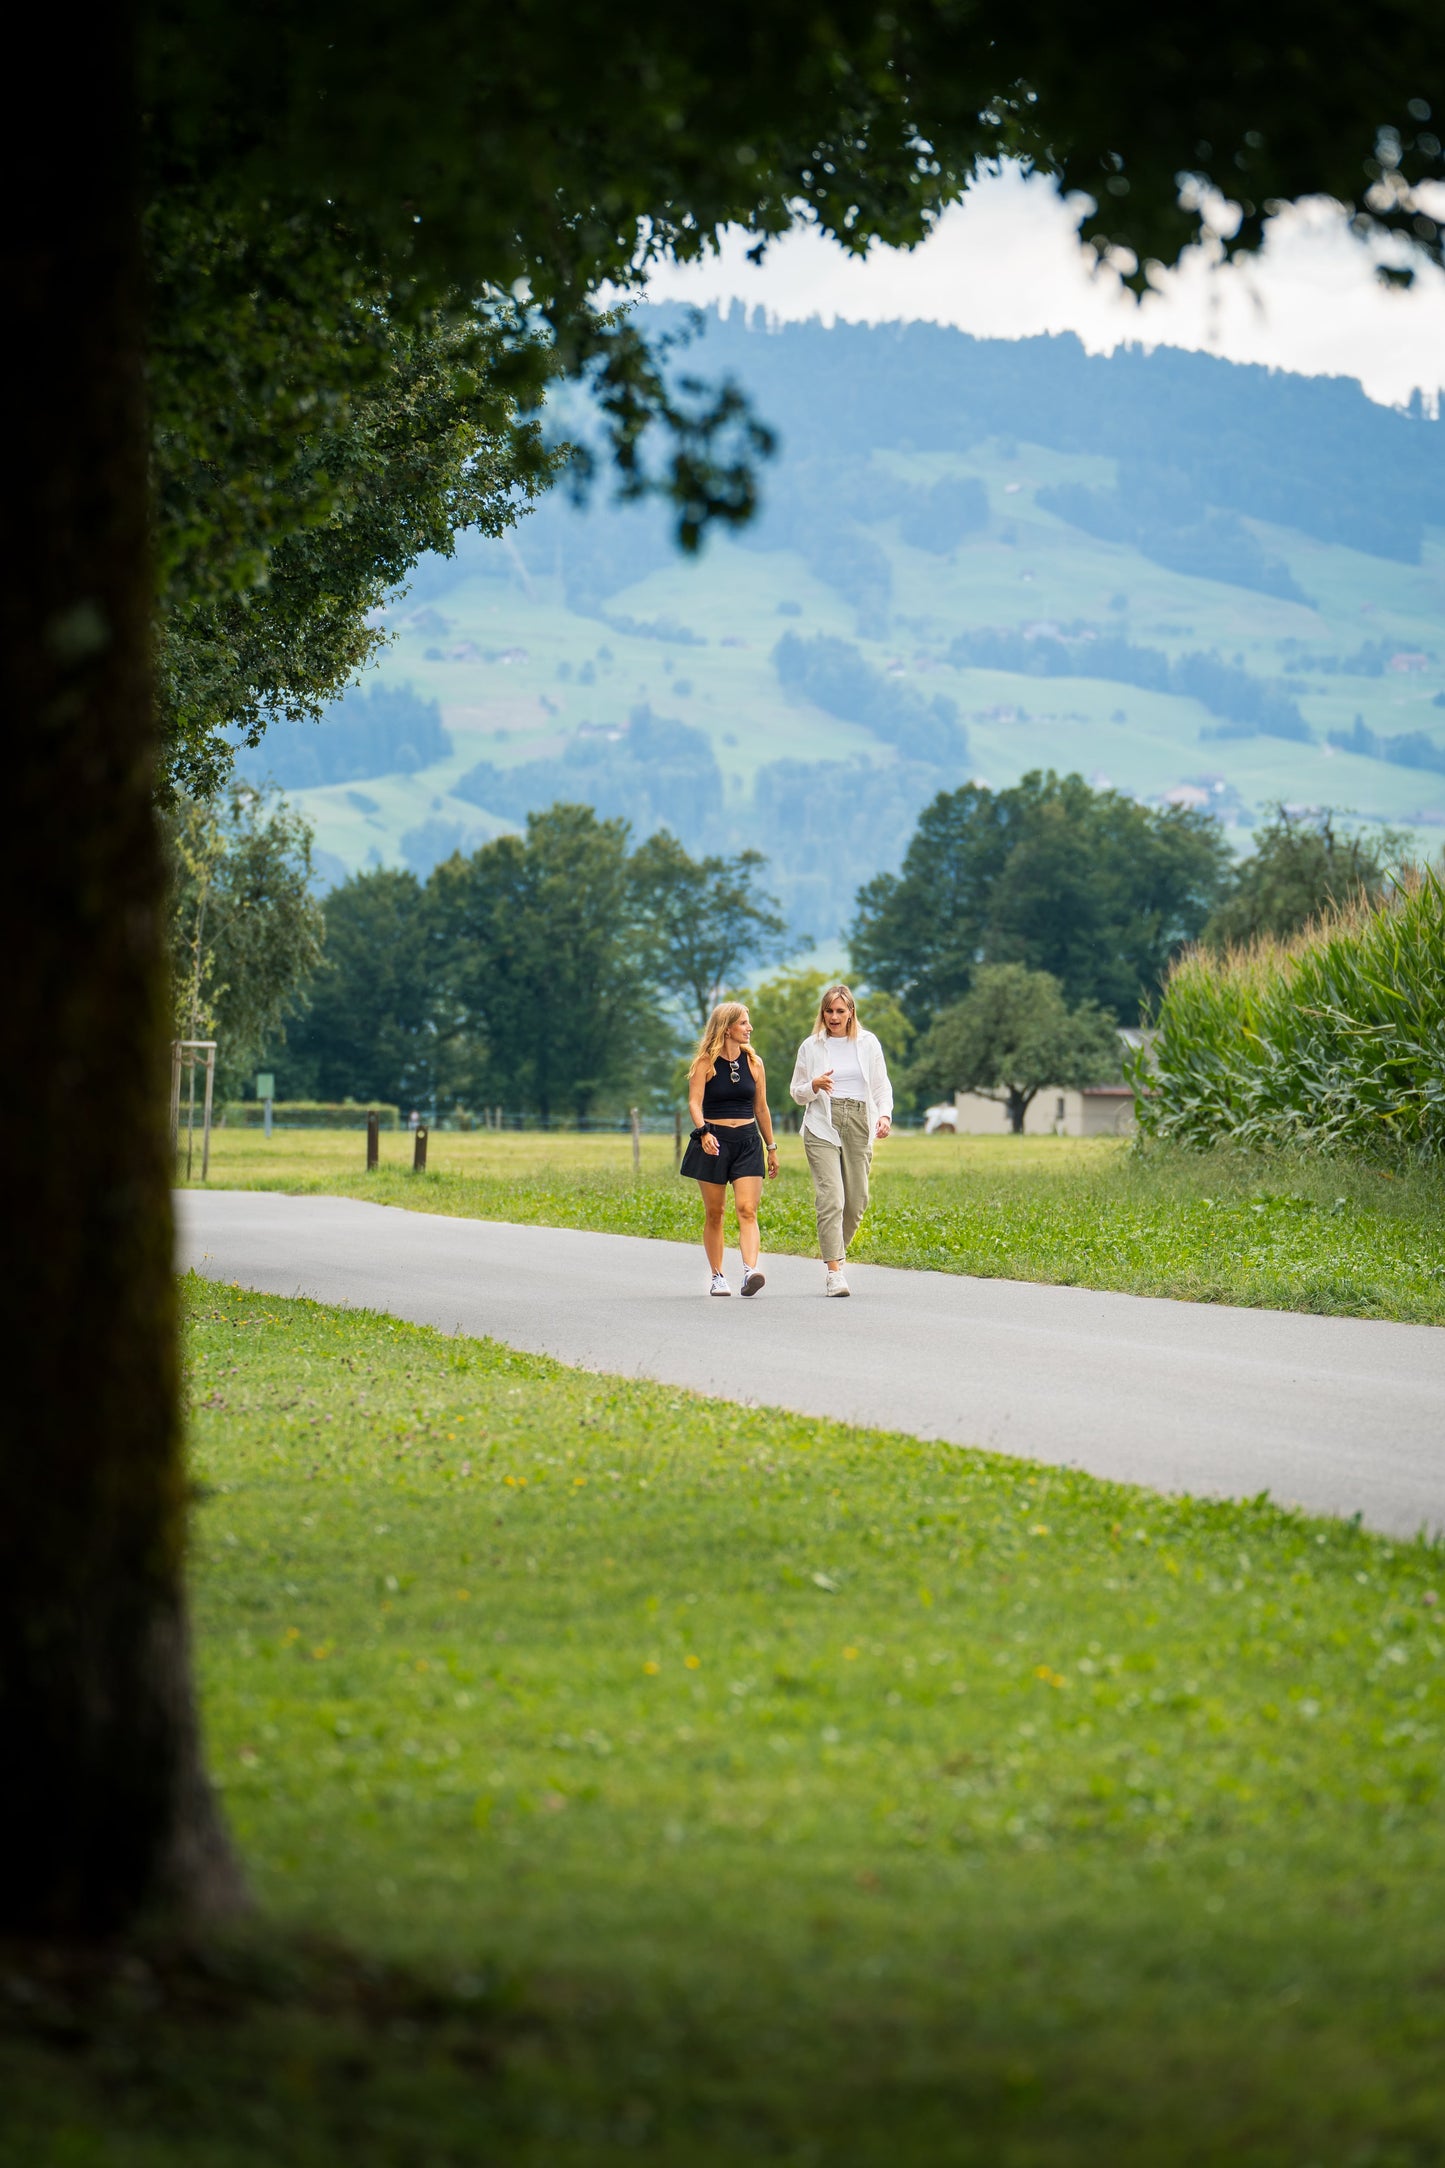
266, 1085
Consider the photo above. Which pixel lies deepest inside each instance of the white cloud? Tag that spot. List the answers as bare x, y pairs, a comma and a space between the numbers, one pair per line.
1006, 263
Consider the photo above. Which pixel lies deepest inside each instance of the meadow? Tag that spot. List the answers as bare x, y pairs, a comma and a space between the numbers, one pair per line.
628, 1777
1279, 1232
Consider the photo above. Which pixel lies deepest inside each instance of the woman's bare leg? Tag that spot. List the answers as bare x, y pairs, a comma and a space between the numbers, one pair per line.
746, 1192
714, 1203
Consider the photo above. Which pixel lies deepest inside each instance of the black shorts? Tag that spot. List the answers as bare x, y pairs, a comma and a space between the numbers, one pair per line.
739, 1154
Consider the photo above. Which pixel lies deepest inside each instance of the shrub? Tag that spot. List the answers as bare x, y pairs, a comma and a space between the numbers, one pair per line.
308, 1114
1332, 1041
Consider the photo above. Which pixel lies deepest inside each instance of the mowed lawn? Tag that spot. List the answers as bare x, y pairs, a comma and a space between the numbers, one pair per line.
1331, 1236
629, 1777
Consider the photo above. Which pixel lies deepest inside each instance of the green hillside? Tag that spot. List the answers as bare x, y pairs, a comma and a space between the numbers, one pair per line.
540, 653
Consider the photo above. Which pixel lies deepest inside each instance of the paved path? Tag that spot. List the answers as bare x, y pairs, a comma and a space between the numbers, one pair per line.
1340, 1415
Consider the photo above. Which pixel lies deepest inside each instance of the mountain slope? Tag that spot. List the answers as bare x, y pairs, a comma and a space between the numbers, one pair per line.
970, 522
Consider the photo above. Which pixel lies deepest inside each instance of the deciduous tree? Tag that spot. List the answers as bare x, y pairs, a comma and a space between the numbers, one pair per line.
542, 151
547, 972
1013, 1035
1050, 874
312, 436
1299, 867
246, 931
703, 920
373, 1026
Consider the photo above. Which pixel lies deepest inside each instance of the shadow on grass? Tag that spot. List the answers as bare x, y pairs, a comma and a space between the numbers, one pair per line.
298, 2052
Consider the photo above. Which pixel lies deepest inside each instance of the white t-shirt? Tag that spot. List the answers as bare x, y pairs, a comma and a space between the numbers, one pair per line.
841, 1055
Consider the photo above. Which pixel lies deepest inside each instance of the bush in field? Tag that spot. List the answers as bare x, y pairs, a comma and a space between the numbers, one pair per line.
1332, 1041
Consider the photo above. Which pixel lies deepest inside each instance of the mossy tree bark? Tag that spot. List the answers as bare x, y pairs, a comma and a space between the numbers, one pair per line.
104, 1808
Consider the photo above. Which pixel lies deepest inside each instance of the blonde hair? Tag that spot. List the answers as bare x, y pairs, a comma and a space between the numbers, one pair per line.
717, 1028
831, 993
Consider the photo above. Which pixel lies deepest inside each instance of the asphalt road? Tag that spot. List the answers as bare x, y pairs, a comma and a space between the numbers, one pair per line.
1339, 1415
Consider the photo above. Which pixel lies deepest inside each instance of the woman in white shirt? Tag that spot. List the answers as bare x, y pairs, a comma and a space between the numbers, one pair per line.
840, 1078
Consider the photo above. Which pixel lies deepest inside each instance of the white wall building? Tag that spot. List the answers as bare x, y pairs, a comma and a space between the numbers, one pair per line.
1101, 1110
1104, 1110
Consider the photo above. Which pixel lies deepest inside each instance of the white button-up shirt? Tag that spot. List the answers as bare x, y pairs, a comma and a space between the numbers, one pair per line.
814, 1057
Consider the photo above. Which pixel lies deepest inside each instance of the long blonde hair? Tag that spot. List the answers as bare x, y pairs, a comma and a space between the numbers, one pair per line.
831, 993
717, 1028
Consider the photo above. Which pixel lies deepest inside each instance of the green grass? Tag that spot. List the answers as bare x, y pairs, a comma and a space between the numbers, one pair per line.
627, 1777
1290, 1234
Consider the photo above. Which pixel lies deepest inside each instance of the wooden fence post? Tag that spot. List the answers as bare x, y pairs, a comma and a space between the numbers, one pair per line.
373, 1140
418, 1150
635, 1120
677, 1137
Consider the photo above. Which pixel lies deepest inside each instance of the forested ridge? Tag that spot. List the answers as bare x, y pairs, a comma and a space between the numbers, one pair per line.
922, 479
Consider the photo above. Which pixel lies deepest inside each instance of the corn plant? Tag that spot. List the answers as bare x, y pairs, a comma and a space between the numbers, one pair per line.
1332, 1041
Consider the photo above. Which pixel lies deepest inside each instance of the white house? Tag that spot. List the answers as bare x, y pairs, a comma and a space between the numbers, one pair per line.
1100, 1110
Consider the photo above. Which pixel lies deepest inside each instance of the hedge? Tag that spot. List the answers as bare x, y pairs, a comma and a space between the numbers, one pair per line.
307, 1114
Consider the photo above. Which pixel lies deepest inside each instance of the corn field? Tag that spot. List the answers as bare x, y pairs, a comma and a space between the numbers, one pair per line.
1333, 1041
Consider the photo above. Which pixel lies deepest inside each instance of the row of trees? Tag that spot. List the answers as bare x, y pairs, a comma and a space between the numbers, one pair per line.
562, 970
557, 970
1100, 892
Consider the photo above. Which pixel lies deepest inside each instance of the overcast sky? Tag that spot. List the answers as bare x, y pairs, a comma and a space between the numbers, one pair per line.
1006, 263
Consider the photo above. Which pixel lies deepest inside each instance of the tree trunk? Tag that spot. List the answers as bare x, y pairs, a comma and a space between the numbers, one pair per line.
1017, 1104
105, 1811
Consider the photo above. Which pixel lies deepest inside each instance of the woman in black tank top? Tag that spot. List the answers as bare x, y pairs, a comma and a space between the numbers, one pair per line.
727, 1097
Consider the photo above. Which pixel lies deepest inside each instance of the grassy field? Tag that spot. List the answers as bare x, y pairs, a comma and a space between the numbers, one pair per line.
626, 1777
1217, 1227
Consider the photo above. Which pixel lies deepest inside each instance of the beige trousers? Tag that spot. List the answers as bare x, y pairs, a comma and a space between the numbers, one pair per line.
840, 1178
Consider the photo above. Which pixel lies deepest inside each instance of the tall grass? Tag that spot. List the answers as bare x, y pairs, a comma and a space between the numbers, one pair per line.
1332, 1041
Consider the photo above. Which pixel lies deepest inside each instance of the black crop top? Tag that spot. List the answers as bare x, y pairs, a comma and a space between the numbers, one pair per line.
725, 1101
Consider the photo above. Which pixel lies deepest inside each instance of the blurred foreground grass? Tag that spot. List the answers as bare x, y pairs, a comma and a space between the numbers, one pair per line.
629, 1777
1222, 1226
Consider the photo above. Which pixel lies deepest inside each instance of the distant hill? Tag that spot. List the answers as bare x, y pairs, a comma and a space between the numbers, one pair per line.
1190, 578
385, 729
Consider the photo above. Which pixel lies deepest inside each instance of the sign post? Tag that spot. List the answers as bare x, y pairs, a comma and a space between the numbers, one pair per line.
266, 1092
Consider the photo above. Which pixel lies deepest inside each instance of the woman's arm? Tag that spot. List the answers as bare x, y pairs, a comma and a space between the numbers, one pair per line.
882, 1086
801, 1087
696, 1085
764, 1111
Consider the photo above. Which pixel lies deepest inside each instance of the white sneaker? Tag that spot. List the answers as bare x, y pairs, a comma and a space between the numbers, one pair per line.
719, 1285
753, 1279
837, 1285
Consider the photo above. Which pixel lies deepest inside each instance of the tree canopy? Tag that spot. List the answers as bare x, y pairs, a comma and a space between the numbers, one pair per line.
311, 437
365, 276
702, 921
246, 931
1051, 874
369, 1027
568, 144
1299, 867
544, 973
